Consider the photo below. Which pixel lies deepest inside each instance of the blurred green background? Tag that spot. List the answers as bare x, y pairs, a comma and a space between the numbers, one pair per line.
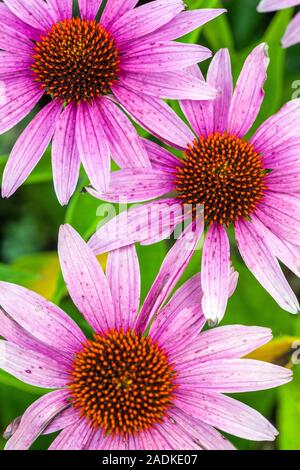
31, 218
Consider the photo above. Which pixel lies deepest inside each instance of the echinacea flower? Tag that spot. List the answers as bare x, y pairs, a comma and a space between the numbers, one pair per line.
249, 184
86, 69
292, 34
149, 380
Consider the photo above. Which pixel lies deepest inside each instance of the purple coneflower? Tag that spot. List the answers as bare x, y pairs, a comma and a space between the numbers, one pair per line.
146, 379
250, 184
86, 68
292, 34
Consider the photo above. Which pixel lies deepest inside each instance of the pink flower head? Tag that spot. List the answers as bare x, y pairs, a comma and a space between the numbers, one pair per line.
86, 69
292, 34
136, 383
252, 185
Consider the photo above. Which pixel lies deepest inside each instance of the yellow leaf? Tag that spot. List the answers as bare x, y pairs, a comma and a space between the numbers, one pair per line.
283, 351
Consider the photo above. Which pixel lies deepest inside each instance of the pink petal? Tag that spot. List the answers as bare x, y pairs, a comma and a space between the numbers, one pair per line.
199, 114
143, 20
273, 5
287, 154
170, 272
164, 56
160, 158
9, 19
226, 342
155, 220
36, 418
29, 148
233, 376
114, 9
249, 94
89, 8
32, 367
85, 280
264, 266
123, 275
170, 85
228, 415
136, 185
292, 34
280, 213
184, 23
206, 436
65, 418
92, 146
41, 319
11, 63
65, 155
33, 12
177, 438
155, 115
215, 273
61, 9
277, 131
125, 146
15, 41
285, 180
18, 98
288, 254
74, 437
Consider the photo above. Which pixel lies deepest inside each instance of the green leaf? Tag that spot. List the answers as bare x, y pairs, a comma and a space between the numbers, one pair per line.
289, 414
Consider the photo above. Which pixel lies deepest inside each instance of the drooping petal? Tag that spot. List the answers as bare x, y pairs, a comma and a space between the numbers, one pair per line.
273, 5
74, 437
215, 273
170, 85
292, 34
264, 266
18, 96
61, 9
65, 155
89, 8
29, 148
177, 438
114, 9
143, 20
288, 254
170, 272
226, 342
137, 185
155, 115
62, 420
155, 220
207, 437
233, 376
36, 419
185, 22
228, 415
284, 180
125, 146
163, 57
249, 94
123, 275
86, 282
32, 367
33, 12
285, 155
92, 146
280, 213
279, 129
43, 320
